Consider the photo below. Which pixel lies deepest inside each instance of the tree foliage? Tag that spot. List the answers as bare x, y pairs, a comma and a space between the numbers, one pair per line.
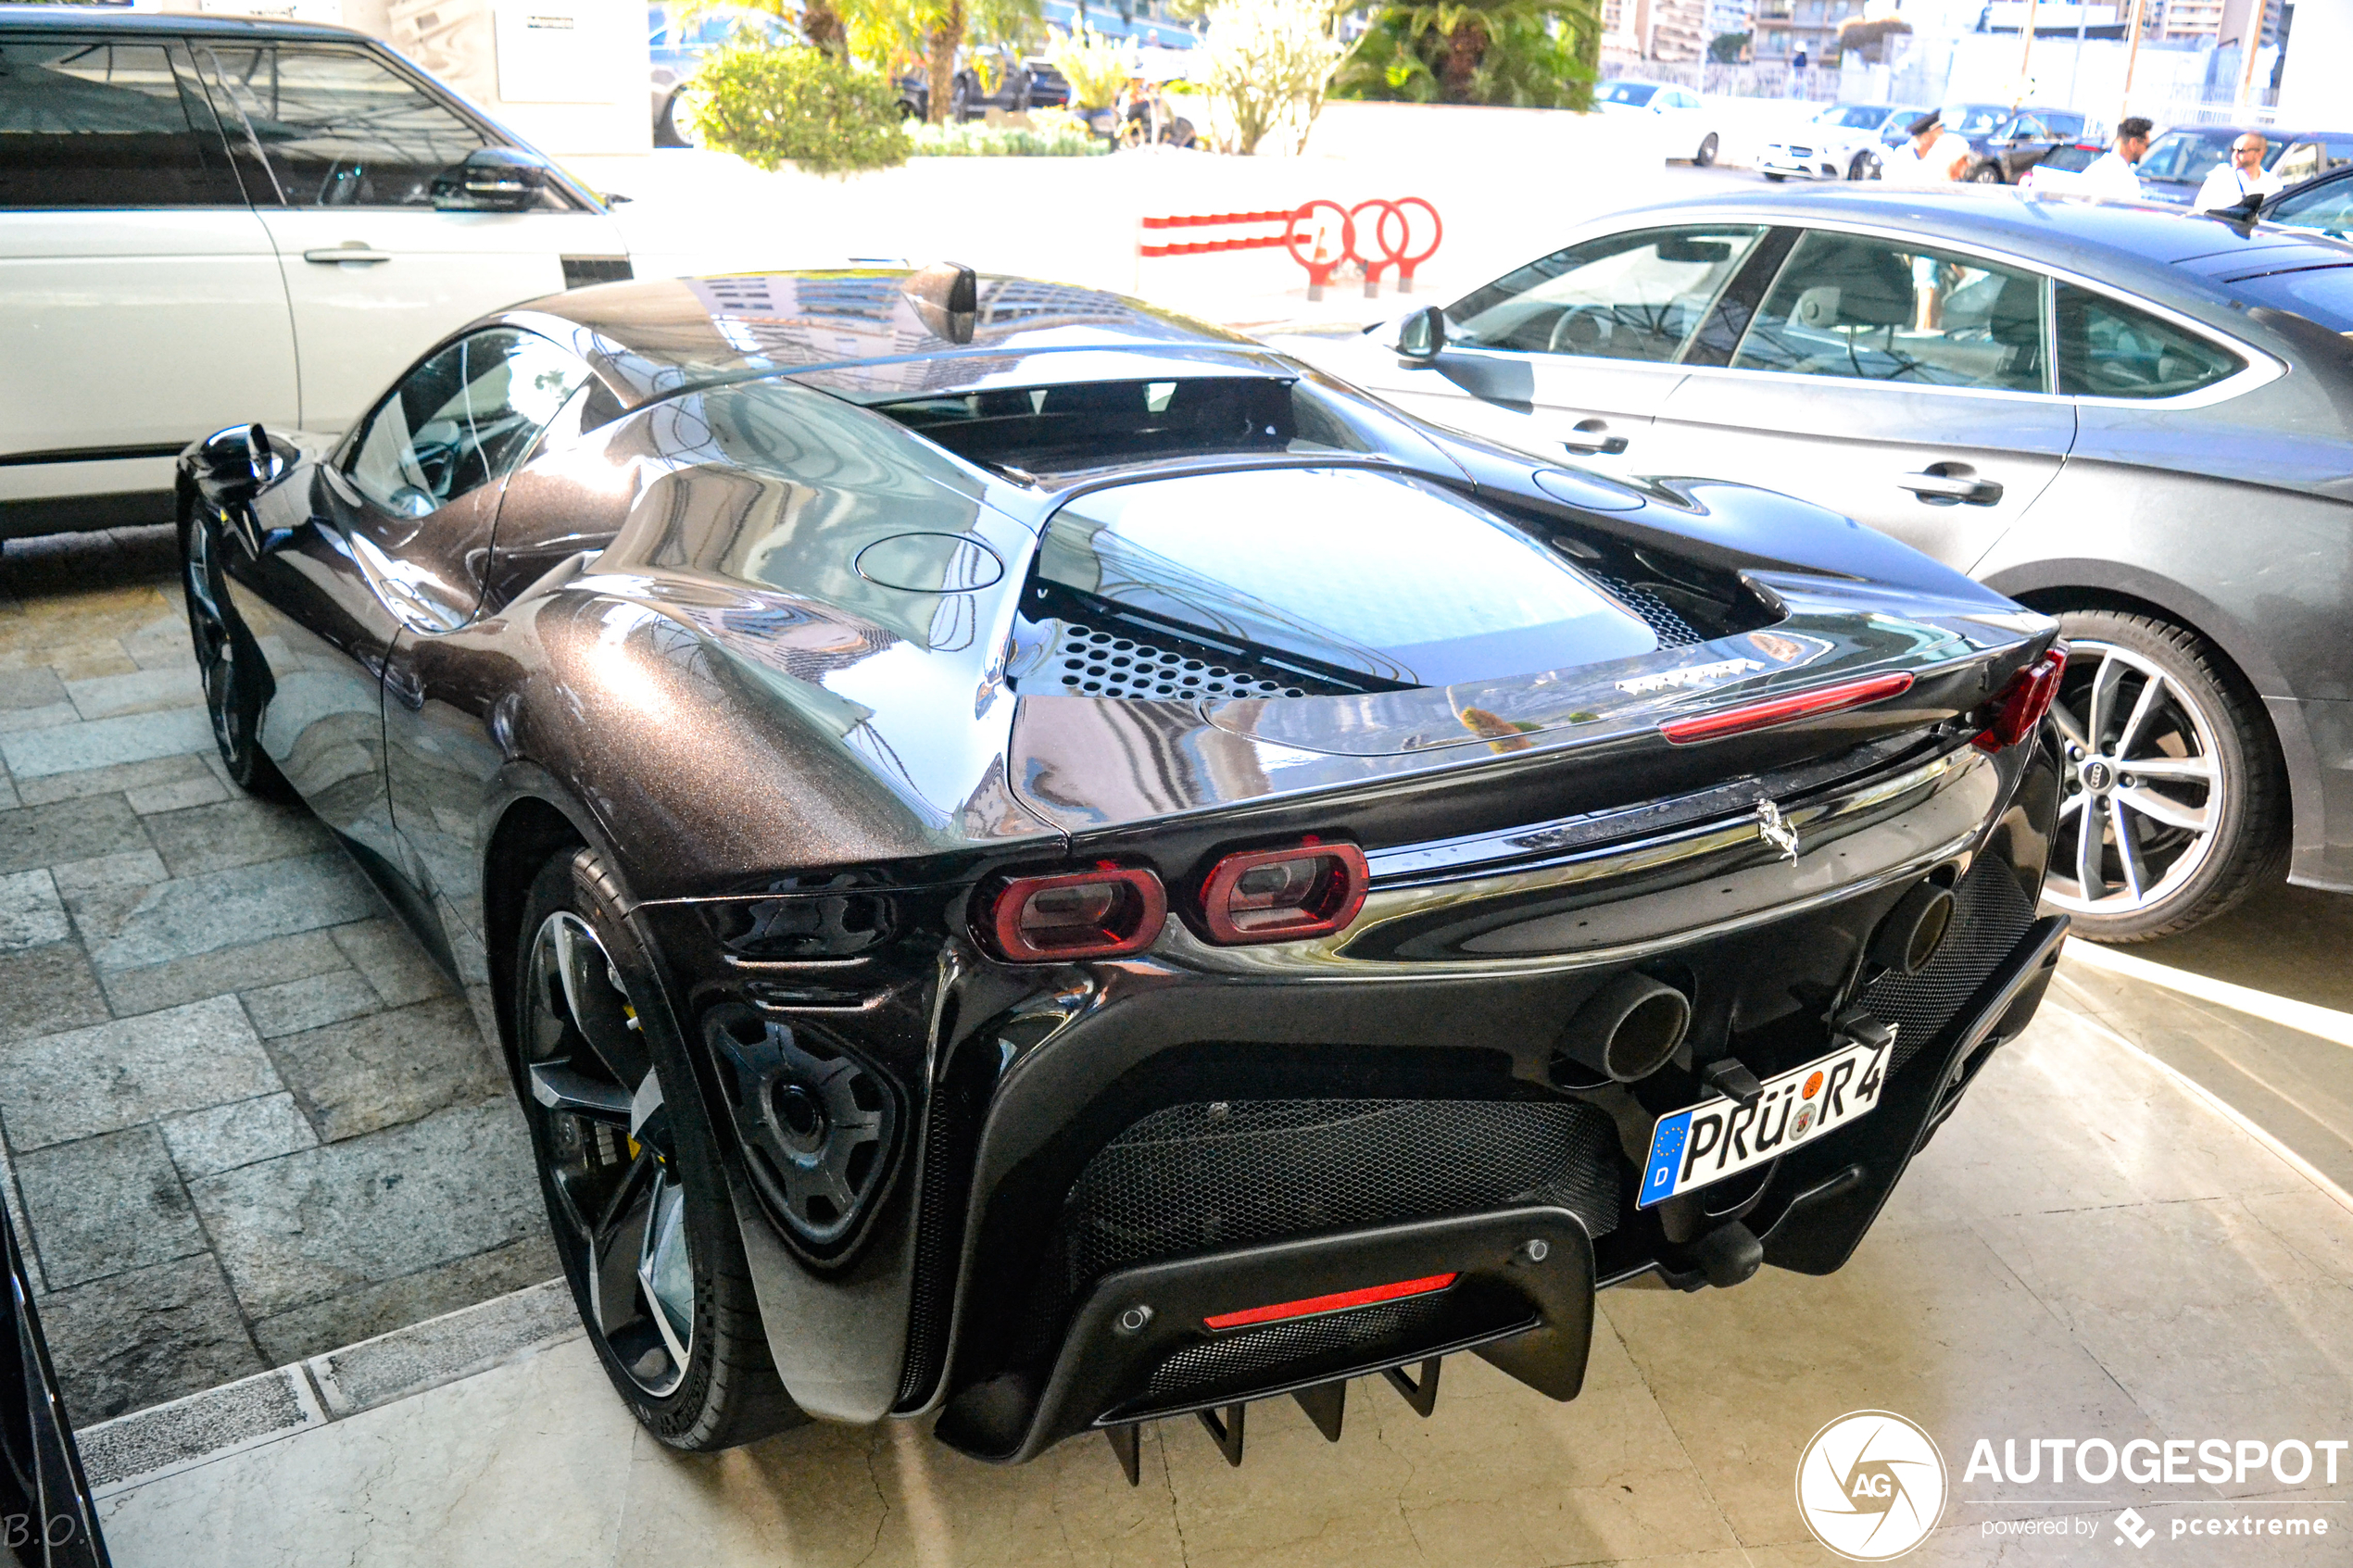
1726, 48
1528, 53
1868, 38
799, 105
1095, 66
1267, 65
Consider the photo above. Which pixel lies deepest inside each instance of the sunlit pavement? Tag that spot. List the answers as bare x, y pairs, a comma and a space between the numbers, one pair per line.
2119, 1236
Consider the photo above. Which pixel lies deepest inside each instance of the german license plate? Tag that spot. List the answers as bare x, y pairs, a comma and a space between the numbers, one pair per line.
1716, 1138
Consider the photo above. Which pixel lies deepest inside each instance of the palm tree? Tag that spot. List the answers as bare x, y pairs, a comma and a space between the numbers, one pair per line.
1528, 53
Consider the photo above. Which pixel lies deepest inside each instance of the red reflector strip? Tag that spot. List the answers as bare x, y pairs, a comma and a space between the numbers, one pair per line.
1782, 709
1315, 1305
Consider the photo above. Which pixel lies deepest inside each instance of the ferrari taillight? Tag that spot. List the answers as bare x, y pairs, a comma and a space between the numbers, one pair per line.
1786, 709
2024, 701
1312, 890
1093, 914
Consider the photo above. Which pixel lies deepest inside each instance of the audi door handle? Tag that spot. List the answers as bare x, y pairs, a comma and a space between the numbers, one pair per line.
1592, 436
1951, 487
350, 250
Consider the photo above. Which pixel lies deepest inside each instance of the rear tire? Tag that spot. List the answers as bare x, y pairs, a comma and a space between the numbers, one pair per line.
1986, 174
1706, 153
644, 1228
2166, 753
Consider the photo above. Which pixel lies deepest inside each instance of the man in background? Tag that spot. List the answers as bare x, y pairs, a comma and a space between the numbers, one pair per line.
2114, 173
2231, 183
1935, 157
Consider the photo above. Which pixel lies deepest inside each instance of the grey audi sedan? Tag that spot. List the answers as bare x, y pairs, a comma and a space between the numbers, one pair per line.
2139, 421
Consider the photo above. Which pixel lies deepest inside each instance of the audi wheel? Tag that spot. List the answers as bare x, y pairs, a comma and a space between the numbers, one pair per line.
635, 1192
2174, 804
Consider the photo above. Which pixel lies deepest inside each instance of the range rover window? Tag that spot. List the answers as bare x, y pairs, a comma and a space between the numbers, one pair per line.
1869, 309
461, 420
1626, 297
2107, 349
338, 127
87, 123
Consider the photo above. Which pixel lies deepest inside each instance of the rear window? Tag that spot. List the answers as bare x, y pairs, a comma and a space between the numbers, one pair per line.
1636, 94
2318, 293
87, 124
2328, 208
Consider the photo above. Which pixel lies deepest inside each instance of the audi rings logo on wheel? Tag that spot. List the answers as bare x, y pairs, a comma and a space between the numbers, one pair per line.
1872, 1486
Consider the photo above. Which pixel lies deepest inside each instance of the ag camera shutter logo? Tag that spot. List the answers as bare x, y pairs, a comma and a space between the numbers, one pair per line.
1872, 1486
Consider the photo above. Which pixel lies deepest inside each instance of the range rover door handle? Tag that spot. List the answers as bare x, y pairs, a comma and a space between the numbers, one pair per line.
1590, 436
1964, 486
350, 250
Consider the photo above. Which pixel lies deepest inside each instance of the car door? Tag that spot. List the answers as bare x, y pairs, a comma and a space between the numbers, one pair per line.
1573, 355
374, 271
422, 494
1905, 386
139, 305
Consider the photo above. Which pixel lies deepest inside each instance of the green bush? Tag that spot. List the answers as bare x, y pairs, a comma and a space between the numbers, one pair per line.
1522, 54
771, 105
1050, 133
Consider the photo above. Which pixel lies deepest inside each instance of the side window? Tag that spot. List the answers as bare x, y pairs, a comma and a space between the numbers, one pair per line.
105, 124
338, 127
2327, 208
2111, 350
1628, 296
461, 420
1871, 309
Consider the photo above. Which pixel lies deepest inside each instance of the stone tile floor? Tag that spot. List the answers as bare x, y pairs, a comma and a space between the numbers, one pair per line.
245, 1118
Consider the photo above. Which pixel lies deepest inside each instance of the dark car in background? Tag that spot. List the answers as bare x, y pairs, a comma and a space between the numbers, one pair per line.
2008, 151
1040, 862
2178, 162
2053, 171
988, 78
2137, 421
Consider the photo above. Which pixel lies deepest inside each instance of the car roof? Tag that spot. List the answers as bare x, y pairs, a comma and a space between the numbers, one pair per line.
651, 337
87, 19
2270, 132
2098, 238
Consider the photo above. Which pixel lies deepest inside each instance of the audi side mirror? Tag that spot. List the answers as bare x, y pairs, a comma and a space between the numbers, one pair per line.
1422, 335
491, 180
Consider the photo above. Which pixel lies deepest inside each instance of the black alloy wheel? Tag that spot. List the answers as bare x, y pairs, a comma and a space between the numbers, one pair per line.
2173, 803
1863, 167
227, 663
635, 1191
1986, 173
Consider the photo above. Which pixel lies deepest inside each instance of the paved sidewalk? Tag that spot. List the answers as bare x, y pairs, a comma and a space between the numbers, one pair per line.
246, 1119
2090, 1248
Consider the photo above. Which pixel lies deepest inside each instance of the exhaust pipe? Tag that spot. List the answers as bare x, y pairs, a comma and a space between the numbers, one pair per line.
1630, 1028
1913, 930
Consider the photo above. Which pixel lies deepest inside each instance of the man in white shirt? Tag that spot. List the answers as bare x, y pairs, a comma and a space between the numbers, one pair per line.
2112, 173
1936, 156
2231, 183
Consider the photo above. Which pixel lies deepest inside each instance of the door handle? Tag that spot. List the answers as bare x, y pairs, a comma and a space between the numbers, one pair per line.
1590, 437
350, 250
1963, 487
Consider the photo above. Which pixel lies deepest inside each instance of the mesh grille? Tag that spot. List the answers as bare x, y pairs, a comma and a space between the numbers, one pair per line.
1087, 661
1206, 1177
938, 1228
1991, 912
1257, 1352
1671, 630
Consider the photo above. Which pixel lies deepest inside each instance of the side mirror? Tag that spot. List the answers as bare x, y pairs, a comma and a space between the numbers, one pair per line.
237, 462
1422, 335
491, 180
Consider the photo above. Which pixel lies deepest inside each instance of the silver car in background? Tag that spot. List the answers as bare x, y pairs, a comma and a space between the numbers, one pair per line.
2138, 421
1844, 141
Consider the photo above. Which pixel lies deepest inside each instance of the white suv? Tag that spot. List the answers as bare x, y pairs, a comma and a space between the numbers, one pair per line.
206, 220
1844, 141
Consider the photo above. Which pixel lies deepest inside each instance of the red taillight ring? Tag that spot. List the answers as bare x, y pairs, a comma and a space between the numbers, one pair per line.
1132, 925
1786, 709
1331, 904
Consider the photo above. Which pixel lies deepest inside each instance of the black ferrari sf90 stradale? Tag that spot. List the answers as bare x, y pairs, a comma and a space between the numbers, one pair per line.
1035, 861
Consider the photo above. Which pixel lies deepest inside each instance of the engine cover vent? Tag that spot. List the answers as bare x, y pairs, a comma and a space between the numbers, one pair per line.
1093, 662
